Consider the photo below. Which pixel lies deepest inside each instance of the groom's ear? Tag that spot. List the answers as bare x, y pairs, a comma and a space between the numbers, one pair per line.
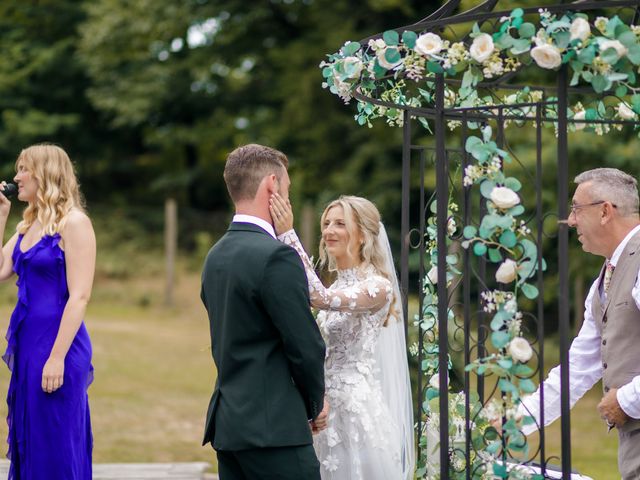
272, 184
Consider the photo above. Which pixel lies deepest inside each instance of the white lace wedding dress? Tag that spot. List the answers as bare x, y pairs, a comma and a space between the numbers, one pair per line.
361, 441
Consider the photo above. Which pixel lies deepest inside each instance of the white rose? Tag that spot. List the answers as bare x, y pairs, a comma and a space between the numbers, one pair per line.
507, 271
481, 48
383, 61
580, 115
433, 275
625, 112
580, 29
504, 197
434, 381
354, 64
520, 350
616, 45
546, 56
428, 44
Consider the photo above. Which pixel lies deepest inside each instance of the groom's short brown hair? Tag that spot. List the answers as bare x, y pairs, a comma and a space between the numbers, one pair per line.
246, 167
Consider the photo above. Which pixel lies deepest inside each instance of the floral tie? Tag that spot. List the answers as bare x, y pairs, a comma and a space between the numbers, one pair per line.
607, 276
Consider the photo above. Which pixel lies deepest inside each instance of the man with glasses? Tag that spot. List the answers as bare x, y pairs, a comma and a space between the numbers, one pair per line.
604, 212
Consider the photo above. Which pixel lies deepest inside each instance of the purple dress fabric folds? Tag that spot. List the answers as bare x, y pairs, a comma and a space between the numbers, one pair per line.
49, 433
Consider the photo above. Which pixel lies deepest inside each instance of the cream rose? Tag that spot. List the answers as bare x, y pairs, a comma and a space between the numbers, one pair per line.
580, 115
481, 48
546, 56
580, 29
616, 45
504, 197
434, 381
520, 350
433, 275
625, 112
429, 44
507, 271
354, 64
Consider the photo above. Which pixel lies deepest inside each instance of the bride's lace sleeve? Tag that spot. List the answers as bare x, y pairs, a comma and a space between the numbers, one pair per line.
368, 295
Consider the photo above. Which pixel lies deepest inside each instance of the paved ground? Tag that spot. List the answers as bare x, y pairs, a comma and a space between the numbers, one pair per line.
142, 471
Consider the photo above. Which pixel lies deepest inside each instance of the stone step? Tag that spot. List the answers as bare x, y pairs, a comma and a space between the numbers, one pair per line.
142, 471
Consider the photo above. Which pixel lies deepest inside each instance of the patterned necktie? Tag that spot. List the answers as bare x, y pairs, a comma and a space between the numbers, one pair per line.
608, 272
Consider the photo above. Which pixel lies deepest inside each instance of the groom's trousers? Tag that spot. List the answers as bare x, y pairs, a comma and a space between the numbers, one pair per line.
629, 454
276, 463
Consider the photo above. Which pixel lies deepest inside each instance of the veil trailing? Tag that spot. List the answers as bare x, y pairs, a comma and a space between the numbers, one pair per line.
393, 365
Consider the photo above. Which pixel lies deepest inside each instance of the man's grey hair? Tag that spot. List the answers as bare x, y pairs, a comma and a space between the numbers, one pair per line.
612, 185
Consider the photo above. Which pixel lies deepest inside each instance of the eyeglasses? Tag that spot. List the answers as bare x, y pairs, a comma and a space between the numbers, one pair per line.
574, 208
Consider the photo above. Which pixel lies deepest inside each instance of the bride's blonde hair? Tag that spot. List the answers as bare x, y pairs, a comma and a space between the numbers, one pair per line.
361, 217
57, 192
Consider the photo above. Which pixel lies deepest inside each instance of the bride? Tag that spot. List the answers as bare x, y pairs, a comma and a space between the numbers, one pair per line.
370, 423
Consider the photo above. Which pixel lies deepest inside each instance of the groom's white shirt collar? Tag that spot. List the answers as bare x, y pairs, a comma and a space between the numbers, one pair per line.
242, 218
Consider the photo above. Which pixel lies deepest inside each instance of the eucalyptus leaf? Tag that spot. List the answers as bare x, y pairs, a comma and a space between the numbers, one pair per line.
479, 249
527, 30
610, 55
513, 183
500, 339
587, 55
634, 54
505, 363
627, 38
391, 38
486, 187
434, 67
469, 231
600, 82
494, 255
496, 324
517, 210
529, 291
508, 239
409, 38
527, 385
471, 143
350, 49
562, 39
392, 55
621, 91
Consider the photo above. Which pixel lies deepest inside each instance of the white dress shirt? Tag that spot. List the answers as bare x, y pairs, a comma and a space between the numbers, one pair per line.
266, 226
585, 363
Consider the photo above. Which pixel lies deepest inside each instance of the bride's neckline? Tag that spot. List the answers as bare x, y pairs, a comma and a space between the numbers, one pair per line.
354, 272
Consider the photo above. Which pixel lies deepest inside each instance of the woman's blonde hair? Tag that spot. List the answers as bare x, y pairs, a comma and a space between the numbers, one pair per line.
58, 190
361, 217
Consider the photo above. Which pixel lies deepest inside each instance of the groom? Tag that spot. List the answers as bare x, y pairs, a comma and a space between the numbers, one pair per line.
265, 343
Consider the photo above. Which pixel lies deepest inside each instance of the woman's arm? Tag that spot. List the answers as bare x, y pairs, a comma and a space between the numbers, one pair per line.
370, 295
80, 254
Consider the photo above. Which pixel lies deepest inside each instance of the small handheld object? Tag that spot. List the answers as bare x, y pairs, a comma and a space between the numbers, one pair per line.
10, 190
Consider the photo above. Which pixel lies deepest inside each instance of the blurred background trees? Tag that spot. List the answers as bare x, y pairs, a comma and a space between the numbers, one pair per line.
149, 96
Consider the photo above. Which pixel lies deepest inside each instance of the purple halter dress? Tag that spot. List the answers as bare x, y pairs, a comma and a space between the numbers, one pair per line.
49, 433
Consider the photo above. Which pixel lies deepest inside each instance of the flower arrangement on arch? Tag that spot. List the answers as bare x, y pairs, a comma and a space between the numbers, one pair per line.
605, 55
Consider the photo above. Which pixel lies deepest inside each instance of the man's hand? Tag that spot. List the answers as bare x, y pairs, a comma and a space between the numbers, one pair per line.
320, 423
610, 410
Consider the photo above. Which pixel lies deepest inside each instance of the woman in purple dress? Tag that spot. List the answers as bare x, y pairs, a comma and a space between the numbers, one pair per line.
48, 349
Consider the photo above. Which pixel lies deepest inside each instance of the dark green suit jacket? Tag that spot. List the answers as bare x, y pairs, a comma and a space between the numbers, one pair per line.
265, 343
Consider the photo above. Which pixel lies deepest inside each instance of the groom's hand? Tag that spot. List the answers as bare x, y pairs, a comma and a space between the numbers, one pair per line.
610, 410
320, 423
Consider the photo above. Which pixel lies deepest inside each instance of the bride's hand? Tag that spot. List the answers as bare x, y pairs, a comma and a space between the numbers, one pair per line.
281, 214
